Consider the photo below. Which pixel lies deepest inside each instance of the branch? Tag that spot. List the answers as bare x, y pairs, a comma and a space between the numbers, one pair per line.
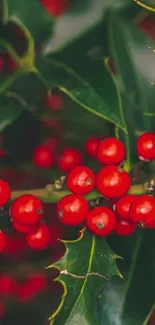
50, 195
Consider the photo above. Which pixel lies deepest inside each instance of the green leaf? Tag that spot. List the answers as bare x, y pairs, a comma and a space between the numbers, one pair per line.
88, 255
132, 300
31, 14
10, 110
84, 79
125, 41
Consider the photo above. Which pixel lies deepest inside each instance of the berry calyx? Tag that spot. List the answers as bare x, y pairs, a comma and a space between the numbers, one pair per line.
55, 7
3, 241
142, 211
122, 206
91, 146
43, 157
101, 221
54, 102
81, 180
112, 182
39, 239
2, 64
21, 228
146, 146
72, 209
27, 210
69, 159
5, 192
111, 151
124, 228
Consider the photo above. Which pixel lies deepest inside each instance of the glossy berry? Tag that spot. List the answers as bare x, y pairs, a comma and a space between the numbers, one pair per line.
146, 146
43, 157
122, 206
101, 221
3, 241
142, 210
81, 180
124, 227
39, 239
27, 210
2, 64
5, 192
21, 228
55, 7
69, 159
111, 151
112, 182
54, 102
72, 209
91, 146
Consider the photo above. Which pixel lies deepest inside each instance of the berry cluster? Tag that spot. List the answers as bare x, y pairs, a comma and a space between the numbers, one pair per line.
125, 211
26, 214
23, 289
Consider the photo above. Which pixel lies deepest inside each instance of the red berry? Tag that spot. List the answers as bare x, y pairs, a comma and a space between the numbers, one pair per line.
111, 151
124, 228
3, 241
27, 210
112, 182
54, 102
55, 7
7, 285
40, 238
5, 192
142, 210
147, 25
51, 143
38, 282
122, 206
91, 146
55, 125
43, 157
72, 209
21, 228
11, 64
2, 310
69, 159
101, 221
81, 180
2, 64
146, 146
2, 153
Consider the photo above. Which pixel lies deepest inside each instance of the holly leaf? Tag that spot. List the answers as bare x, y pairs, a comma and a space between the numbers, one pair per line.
132, 300
125, 41
9, 112
30, 13
84, 270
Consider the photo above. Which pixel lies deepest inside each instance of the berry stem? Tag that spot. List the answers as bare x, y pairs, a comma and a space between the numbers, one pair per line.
49, 195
